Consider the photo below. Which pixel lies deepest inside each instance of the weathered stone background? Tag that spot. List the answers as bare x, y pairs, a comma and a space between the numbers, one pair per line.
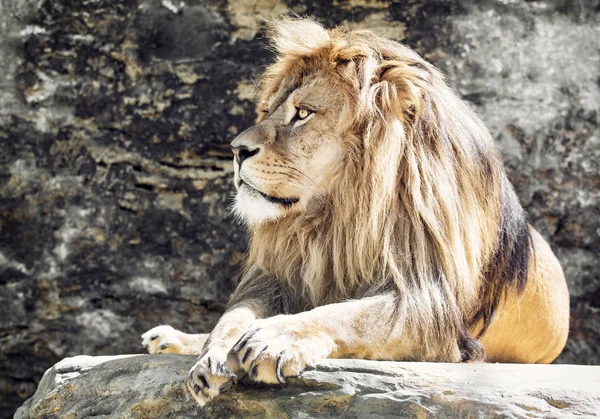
115, 119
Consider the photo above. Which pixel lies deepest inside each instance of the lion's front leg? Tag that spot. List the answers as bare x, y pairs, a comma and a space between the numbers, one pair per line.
282, 346
168, 340
213, 373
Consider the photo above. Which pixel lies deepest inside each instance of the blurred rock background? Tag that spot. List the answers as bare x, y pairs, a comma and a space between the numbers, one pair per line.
115, 172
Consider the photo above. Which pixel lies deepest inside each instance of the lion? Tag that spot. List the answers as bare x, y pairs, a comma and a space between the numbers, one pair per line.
382, 225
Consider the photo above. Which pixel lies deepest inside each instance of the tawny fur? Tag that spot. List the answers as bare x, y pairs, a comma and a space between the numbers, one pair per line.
388, 201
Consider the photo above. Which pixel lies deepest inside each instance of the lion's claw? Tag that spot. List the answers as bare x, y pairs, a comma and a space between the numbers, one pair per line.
210, 376
279, 370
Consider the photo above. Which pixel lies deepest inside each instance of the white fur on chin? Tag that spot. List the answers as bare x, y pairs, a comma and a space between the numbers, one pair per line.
253, 208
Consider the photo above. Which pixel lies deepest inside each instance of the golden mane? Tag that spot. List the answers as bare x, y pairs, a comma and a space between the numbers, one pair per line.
422, 206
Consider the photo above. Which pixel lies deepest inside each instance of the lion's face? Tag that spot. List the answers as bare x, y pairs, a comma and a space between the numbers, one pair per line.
283, 163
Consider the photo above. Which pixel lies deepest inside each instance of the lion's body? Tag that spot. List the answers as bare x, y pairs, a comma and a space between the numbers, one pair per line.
382, 223
532, 327
529, 327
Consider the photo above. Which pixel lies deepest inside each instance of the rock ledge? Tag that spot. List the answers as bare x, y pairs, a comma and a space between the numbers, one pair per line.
151, 386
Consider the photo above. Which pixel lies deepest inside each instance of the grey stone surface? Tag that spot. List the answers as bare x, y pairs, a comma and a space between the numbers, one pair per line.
152, 386
115, 119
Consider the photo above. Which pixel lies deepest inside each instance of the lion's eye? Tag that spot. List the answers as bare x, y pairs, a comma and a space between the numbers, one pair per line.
303, 113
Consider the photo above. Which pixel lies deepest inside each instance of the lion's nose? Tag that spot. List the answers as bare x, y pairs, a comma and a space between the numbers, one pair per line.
242, 152
252, 140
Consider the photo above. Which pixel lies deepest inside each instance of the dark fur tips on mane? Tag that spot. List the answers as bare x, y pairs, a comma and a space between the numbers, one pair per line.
509, 267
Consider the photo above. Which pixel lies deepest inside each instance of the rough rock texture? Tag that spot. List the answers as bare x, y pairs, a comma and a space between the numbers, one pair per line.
115, 119
152, 386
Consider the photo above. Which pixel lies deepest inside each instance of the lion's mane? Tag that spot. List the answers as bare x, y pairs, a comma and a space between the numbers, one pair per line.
422, 207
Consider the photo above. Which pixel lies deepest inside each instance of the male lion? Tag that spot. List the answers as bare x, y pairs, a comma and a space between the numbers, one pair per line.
382, 225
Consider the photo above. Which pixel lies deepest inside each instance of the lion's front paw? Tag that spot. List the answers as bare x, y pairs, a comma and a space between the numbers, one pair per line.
210, 376
162, 339
278, 347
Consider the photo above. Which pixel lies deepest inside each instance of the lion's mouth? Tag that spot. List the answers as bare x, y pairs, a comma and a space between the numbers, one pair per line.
287, 202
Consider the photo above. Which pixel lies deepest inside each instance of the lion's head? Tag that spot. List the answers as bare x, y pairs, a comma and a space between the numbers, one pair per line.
284, 164
317, 103
366, 172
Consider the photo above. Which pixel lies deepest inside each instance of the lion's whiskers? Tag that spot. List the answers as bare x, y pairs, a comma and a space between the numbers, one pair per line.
321, 195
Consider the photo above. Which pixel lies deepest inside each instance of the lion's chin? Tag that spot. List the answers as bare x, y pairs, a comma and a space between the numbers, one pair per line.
254, 208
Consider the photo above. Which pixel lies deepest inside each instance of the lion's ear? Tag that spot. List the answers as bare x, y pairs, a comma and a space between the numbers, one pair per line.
399, 86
